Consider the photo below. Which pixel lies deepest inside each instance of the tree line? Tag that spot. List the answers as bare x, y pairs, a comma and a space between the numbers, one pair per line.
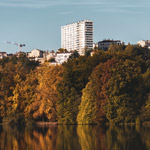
109, 87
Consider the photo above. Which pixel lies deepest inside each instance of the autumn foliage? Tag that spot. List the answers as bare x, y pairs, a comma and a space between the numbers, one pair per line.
108, 87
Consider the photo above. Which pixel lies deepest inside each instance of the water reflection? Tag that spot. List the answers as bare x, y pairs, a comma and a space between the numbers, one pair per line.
126, 138
74, 138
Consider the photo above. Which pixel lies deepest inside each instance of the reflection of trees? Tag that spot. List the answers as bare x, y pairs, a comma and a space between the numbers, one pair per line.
39, 138
145, 135
67, 138
92, 137
71, 137
114, 138
42, 138
31, 139
119, 138
11, 138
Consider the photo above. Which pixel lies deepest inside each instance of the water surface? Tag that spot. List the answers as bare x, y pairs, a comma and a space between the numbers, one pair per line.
74, 138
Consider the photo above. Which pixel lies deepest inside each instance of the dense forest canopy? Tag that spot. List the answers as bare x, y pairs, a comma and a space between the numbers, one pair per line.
109, 87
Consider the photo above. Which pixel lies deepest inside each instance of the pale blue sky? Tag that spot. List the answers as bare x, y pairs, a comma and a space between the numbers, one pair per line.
37, 23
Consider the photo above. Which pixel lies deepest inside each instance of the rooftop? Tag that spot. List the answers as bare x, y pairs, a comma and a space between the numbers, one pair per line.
104, 41
79, 22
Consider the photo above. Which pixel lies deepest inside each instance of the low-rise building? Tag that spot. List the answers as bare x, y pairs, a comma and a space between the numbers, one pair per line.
19, 53
144, 43
50, 55
36, 53
62, 57
104, 45
3, 54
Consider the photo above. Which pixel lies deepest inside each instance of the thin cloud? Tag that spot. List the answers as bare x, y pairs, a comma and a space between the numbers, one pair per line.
113, 4
117, 10
130, 5
49, 3
21, 5
30, 4
65, 13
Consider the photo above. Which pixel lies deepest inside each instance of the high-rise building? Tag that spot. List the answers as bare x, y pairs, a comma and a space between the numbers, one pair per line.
77, 36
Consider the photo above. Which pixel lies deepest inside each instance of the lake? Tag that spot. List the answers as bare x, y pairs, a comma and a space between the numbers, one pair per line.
59, 137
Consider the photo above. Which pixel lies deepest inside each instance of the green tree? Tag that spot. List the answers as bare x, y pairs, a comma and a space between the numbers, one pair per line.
62, 50
51, 60
75, 54
75, 77
125, 92
145, 112
92, 107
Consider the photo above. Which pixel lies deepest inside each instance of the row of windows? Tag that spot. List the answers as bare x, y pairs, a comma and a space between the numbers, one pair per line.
103, 44
90, 34
89, 41
88, 37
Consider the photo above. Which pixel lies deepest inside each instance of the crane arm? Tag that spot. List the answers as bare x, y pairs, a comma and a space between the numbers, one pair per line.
20, 45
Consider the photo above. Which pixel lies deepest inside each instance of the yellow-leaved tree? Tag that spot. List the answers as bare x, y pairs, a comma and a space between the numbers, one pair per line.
44, 106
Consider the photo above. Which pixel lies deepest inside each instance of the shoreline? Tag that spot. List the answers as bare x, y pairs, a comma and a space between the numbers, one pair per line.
40, 123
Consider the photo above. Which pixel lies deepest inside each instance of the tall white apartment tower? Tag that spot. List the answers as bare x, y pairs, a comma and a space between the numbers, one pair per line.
77, 36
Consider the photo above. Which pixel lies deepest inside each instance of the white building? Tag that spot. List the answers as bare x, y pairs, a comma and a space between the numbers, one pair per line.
143, 43
77, 36
104, 45
62, 57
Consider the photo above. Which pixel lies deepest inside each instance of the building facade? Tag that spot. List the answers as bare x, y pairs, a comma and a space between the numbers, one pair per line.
104, 45
143, 43
3, 55
62, 57
36, 53
77, 36
50, 55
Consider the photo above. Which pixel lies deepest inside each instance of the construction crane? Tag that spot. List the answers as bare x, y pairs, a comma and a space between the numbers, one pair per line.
17, 44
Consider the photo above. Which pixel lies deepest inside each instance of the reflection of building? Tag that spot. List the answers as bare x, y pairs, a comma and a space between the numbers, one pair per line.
77, 36
143, 43
3, 54
62, 57
104, 45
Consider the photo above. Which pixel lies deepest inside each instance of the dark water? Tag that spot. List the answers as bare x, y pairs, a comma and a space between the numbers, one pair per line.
74, 138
